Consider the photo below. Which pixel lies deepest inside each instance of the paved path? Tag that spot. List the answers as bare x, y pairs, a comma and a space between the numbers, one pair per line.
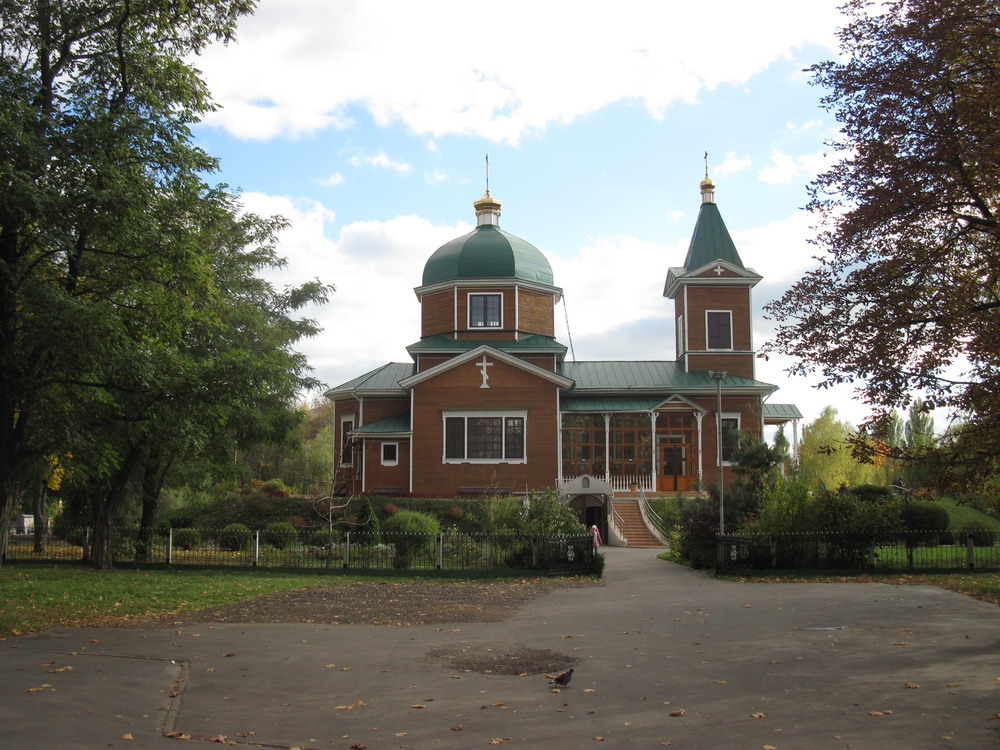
667, 657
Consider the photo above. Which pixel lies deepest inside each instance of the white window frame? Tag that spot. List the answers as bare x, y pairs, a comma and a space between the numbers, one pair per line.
717, 348
390, 462
346, 456
468, 303
739, 427
507, 414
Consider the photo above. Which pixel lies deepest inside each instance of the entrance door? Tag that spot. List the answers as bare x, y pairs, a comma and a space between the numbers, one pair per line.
672, 469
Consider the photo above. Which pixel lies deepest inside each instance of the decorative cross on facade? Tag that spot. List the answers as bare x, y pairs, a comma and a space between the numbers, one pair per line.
718, 270
482, 366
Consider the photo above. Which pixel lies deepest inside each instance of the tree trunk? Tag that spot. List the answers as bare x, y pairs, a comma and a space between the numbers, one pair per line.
105, 508
153, 476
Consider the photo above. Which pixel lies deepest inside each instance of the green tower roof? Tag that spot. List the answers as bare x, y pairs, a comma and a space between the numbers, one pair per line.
711, 240
487, 252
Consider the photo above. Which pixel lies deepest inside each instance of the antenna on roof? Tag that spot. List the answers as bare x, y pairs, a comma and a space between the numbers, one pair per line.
487, 174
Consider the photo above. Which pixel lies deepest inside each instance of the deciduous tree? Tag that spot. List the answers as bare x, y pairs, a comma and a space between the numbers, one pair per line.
906, 299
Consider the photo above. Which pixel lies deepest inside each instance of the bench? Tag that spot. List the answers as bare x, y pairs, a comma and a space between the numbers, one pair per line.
386, 491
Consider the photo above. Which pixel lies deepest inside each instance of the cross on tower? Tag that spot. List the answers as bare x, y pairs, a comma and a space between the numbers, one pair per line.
718, 270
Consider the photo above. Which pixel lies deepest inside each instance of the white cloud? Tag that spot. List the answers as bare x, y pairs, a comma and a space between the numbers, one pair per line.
333, 180
381, 161
732, 164
785, 169
496, 71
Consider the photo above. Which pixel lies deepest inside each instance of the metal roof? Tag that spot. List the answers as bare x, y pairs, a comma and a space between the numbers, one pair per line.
487, 252
609, 404
443, 341
657, 376
710, 240
780, 412
384, 378
395, 425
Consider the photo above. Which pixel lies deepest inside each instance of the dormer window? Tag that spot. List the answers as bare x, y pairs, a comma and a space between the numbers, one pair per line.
485, 310
719, 329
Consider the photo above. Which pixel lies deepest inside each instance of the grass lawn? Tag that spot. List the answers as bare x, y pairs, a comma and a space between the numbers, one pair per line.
35, 595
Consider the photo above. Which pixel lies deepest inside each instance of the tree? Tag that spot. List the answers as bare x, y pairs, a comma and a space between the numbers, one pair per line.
133, 327
825, 456
907, 295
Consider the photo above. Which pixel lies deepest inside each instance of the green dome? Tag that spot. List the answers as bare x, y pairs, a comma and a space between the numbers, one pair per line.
487, 252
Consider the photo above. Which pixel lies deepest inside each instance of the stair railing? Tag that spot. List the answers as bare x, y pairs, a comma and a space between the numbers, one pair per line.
617, 523
652, 519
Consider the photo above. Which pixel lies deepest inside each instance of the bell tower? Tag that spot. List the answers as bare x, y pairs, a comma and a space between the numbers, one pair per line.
712, 297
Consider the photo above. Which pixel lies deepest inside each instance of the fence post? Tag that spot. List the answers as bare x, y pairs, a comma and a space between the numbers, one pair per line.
440, 551
255, 553
970, 550
347, 551
170, 545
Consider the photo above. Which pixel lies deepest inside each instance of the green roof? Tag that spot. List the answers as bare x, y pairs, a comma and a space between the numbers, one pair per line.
710, 241
400, 423
779, 412
610, 404
443, 341
384, 378
487, 252
657, 376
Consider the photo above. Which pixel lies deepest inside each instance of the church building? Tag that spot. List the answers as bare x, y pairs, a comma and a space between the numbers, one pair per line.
491, 404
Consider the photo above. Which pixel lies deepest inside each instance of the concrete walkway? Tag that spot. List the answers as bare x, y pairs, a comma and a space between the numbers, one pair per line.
667, 657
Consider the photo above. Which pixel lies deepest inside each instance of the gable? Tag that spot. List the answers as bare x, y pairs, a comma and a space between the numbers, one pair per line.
485, 368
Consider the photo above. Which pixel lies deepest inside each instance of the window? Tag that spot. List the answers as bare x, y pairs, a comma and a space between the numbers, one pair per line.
390, 454
485, 310
719, 329
484, 438
730, 438
583, 449
681, 340
346, 443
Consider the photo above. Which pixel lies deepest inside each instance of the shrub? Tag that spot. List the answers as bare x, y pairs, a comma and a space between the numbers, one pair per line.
186, 538
280, 535
412, 532
234, 537
922, 515
696, 534
981, 534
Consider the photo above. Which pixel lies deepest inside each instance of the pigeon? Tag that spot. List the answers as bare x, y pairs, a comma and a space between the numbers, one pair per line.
562, 679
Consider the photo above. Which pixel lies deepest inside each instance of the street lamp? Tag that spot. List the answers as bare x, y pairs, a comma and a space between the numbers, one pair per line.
718, 375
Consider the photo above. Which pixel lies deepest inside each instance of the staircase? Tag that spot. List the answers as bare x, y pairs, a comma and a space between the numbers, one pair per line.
636, 533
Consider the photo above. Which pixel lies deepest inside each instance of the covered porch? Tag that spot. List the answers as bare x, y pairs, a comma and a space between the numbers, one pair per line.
648, 445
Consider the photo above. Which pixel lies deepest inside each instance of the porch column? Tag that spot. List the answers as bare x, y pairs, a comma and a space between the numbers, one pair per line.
607, 446
653, 451
698, 416
795, 441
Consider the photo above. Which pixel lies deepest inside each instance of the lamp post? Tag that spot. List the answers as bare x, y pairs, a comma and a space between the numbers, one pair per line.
718, 375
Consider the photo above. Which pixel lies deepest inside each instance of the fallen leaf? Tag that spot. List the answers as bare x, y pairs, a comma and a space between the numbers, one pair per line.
329, 666
912, 685
598, 739
877, 714
589, 690
457, 728
220, 738
418, 705
678, 712
128, 736
496, 741
720, 682
359, 746
758, 715
60, 669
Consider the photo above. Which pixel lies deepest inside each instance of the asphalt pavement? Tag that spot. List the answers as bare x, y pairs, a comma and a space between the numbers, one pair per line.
665, 657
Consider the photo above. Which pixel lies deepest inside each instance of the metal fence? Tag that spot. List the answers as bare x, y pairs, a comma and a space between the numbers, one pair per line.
320, 549
742, 554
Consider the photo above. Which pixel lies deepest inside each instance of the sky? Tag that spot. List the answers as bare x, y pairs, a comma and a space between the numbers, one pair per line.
366, 124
